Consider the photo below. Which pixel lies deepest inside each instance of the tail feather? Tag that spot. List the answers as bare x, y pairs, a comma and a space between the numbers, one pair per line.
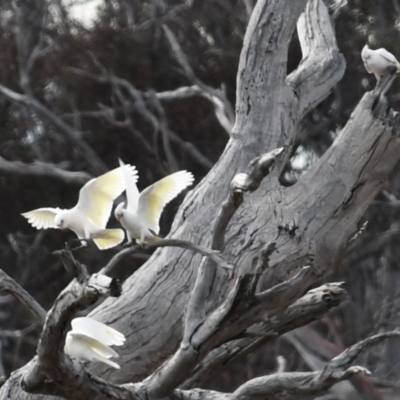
150, 239
110, 363
107, 238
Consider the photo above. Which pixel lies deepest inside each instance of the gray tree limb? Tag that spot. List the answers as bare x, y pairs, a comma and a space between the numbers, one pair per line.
336, 370
322, 65
9, 285
52, 371
44, 169
311, 306
309, 223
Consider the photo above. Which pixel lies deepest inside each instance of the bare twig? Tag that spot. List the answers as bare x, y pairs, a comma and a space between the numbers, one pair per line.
223, 109
44, 169
336, 370
136, 95
9, 285
71, 133
165, 132
185, 244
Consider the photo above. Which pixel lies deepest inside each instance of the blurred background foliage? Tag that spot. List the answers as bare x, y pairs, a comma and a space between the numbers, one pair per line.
109, 82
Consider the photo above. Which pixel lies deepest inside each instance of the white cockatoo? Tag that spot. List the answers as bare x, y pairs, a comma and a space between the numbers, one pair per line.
90, 340
89, 217
141, 217
377, 61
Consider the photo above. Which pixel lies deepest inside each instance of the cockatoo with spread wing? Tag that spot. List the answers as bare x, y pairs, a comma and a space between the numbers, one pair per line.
142, 216
90, 340
89, 217
377, 61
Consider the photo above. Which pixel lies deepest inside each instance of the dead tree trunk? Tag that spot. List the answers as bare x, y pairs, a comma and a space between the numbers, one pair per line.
283, 228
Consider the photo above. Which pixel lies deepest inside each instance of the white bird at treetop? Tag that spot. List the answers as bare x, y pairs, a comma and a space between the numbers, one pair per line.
89, 217
90, 340
377, 61
142, 216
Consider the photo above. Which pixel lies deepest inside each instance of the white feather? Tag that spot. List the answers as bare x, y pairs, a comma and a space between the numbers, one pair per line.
142, 216
89, 340
377, 61
89, 217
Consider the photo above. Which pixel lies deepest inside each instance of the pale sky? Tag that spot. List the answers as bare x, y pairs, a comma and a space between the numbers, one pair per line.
83, 10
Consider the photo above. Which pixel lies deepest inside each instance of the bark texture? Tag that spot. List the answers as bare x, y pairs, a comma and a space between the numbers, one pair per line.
309, 223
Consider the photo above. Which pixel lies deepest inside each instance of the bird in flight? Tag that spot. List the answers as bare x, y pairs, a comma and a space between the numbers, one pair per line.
89, 217
377, 61
90, 340
141, 217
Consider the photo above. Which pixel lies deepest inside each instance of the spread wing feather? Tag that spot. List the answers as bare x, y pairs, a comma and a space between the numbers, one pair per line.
97, 196
98, 331
154, 198
132, 192
42, 218
387, 56
83, 347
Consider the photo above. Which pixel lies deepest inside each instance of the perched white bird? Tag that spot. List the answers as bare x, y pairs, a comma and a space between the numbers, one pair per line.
89, 217
377, 61
90, 340
142, 216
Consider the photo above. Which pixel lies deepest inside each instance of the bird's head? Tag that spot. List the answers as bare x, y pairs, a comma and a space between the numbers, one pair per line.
119, 211
60, 220
365, 52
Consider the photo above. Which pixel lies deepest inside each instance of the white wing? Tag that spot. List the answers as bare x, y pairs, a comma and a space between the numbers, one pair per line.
83, 347
42, 218
154, 198
97, 196
132, 192
387, 56
98, 331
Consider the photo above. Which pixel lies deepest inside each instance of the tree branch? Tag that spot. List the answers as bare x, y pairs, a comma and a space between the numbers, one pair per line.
314, 304
257, 170
322, 65
184, 244
222, 107
9, 285
51, 363
47, 114
336, 370
44, 169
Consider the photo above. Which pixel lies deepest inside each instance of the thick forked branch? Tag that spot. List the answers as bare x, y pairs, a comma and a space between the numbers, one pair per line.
202, 333
9, 285
314, 304
322, 65
195, 319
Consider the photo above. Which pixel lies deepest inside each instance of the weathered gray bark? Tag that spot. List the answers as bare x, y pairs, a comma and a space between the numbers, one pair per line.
308, 223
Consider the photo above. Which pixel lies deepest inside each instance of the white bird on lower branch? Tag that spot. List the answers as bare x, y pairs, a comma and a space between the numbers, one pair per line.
377, 61
89, 217
142, 216
90, 340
